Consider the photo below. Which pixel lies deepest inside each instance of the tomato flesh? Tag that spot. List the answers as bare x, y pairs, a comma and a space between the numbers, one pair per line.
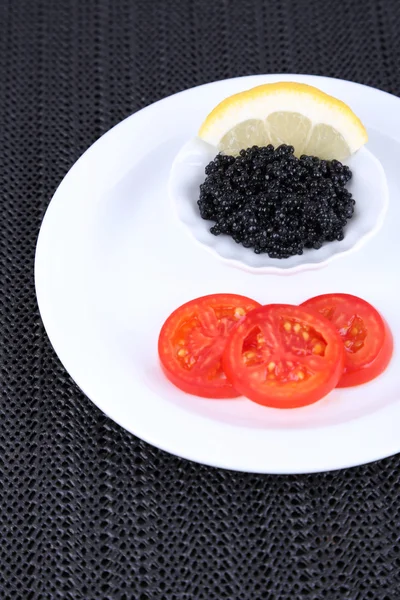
367, 339
283, 356
192, 341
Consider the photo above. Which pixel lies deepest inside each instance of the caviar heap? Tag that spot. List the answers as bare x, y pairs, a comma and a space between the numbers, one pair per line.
269, 200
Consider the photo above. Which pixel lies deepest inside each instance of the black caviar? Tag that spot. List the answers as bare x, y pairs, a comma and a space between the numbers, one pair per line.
269, 200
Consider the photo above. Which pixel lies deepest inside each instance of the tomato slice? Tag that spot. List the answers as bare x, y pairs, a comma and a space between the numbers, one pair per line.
368, 341
284, 356
193, 338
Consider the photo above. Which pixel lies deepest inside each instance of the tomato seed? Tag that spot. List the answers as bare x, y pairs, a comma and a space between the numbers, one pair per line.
317, 349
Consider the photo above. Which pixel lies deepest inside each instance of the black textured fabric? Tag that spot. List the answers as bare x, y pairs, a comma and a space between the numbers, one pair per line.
86, 510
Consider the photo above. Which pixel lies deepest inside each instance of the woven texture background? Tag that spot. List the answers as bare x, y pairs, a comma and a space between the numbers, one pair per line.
86, 510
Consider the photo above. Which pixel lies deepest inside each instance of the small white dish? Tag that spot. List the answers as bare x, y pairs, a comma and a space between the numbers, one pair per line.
368, 186
113, 262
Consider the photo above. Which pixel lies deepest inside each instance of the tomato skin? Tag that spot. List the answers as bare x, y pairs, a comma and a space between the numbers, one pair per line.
199, 328
376, 352
322, 372
197, 389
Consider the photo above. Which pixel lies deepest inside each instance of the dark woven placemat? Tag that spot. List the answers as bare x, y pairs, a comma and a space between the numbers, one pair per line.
86, 510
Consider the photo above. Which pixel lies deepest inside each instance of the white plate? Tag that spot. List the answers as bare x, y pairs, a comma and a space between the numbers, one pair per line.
113, 261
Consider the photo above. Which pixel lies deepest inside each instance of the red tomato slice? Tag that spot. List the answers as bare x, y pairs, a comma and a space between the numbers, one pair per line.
367, 339
193, 338
284, 356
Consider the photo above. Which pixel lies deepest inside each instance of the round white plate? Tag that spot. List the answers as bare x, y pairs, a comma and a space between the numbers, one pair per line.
113, 261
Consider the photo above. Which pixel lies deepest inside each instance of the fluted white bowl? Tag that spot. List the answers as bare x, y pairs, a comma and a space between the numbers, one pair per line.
368, 186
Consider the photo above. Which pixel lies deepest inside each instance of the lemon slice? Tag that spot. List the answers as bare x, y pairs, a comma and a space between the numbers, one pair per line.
285, 113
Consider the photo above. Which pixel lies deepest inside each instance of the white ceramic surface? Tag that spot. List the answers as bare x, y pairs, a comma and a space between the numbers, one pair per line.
368, 186
113, 261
